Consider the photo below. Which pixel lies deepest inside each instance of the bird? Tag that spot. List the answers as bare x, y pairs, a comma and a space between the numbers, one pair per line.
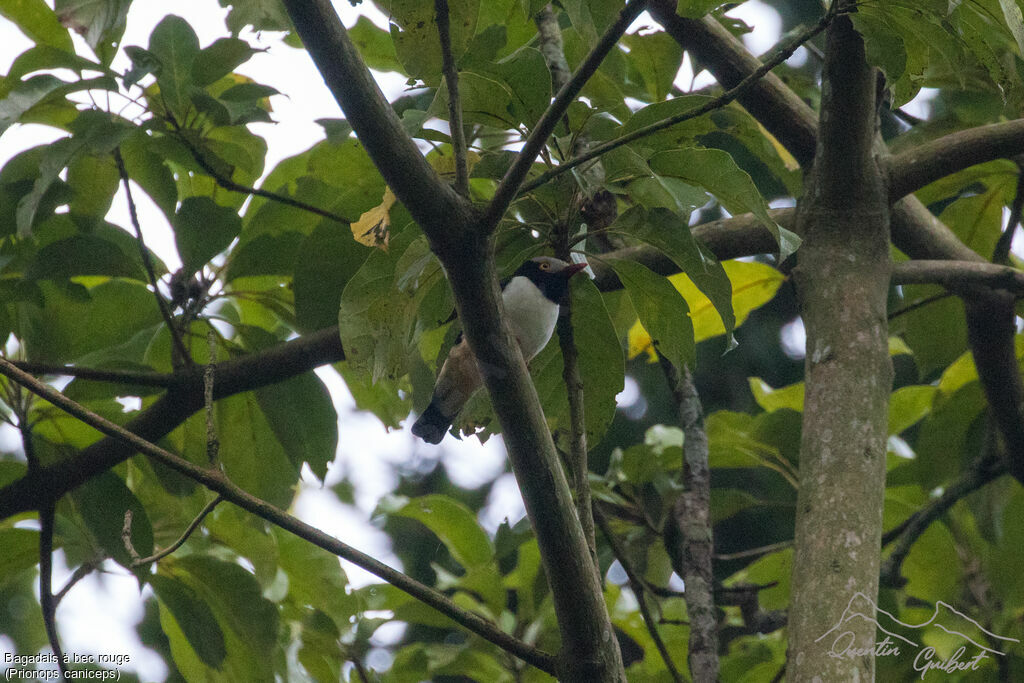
531, 299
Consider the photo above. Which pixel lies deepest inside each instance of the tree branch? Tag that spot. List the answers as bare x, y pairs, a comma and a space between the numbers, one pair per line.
179, 346
181, 400
443, 214
980, 473
512, 184
46, 599
1001, 252
216, 481
689, 538
769, 100
231, 186
180, 541
725, 98
913, 169
136, 377
639, 587
915, 230
451, 79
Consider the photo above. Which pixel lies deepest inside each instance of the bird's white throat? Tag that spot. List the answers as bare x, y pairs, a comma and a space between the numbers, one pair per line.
531, 314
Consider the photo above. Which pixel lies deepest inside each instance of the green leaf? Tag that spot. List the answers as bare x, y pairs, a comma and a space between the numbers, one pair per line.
253, 457
1015, 22
202, 229
25, 95
83, 255
716, 172
68, 327
695, 9
454, 524
375, 45
175, 45
21, 551
301, 414
668, 232
328, 258
150, 172
791, 397
94, 180
374, 318
656, 57
219, 59
414, 32
908, 406
316, 578
102, 503
192, 617
100, 22
661, 309
38, 22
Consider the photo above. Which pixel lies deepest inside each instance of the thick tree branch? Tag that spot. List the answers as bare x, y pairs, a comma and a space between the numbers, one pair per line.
512, 184
913, 169
962, 277
442, 213
216, 481
689, 538
184, 398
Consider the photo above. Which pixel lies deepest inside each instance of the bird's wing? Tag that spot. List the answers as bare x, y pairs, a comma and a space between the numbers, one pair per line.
458, 380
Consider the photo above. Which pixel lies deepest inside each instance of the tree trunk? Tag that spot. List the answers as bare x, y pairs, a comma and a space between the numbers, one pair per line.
842, 279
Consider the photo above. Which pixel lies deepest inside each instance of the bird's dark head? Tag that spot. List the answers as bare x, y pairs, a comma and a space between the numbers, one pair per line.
551, 275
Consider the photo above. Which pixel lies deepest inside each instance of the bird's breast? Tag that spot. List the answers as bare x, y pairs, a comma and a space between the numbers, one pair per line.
531, 315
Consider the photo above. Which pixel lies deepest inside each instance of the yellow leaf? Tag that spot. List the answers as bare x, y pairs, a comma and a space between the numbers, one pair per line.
753, 285
788, 159
372, 227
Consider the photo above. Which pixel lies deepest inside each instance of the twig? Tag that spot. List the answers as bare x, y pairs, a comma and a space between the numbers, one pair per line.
688, 534
985, 469
785, 52
216, 481
212, 442
753, 552
138, 377
147, 262
193, 525
1001, 253
910, 308
451, 79
638, 584
81, 571
231, 186
46, 600
512, 184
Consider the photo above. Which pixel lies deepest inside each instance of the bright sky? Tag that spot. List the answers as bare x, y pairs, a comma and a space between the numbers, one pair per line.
99, 615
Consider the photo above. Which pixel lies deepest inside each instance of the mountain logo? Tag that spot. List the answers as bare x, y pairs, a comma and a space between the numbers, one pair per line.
901, 638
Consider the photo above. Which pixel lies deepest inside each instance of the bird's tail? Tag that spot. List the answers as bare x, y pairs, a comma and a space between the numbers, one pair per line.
432, 424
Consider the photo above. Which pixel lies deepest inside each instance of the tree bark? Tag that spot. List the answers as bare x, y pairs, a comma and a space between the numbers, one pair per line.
842, 279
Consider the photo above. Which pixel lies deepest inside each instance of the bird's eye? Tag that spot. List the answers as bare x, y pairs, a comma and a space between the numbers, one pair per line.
544, 265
